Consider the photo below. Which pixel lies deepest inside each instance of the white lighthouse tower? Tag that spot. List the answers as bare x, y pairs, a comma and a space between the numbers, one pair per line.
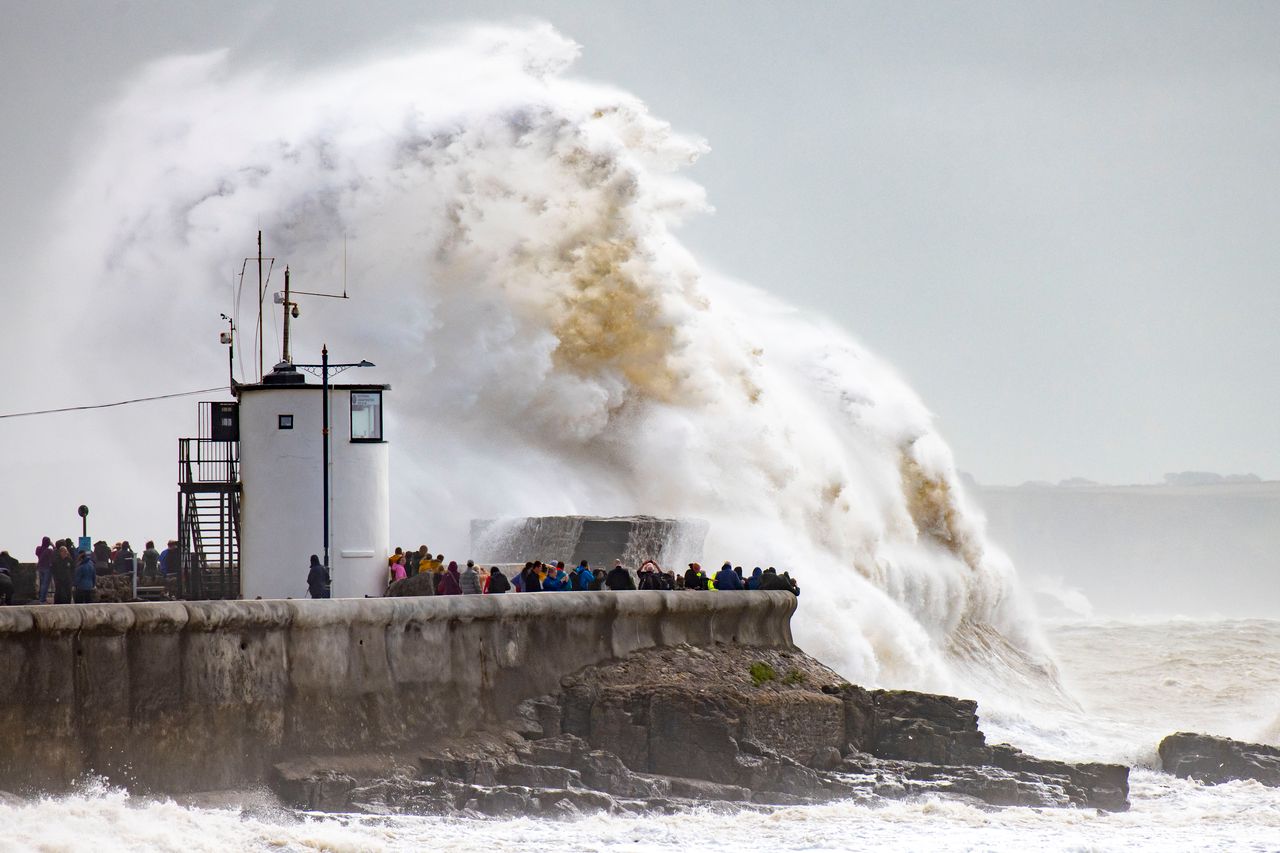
293, 468
282, 504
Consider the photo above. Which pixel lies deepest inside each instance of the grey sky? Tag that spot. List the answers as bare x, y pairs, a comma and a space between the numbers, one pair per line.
1059, 221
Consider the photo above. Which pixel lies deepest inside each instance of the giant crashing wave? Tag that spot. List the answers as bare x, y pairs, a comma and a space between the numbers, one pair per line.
551, 346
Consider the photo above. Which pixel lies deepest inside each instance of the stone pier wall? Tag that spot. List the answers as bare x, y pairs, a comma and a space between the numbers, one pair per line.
189, 696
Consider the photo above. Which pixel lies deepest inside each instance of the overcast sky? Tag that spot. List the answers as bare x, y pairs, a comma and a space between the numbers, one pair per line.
1059, 221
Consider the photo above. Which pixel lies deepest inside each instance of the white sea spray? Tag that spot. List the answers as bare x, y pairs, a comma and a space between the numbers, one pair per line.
551, 345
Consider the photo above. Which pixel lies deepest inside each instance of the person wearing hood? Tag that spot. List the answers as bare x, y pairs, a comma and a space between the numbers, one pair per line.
102, 557
86, 579
753, 582
469, 580
498, 582
619, 578
64, 571
582, 577
449, 581
727, 578
317, 579
44, 567
150, 561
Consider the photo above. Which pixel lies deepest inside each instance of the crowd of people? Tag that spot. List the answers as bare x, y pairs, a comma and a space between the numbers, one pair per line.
539, 576
70, 572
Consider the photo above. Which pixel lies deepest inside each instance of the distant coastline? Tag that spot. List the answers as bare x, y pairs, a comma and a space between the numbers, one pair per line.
1194, 545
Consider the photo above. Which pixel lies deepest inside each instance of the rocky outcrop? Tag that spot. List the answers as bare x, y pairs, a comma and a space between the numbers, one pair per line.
1214, 760
670, 726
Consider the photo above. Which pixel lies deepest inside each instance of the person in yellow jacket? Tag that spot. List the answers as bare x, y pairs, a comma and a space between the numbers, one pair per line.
417, 561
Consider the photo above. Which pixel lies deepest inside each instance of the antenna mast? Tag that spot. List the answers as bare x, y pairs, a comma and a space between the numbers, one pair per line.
287, 309
291, 308
262, 295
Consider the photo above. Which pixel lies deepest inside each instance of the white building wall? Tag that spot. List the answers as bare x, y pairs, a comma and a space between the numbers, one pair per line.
282, 497
360, 536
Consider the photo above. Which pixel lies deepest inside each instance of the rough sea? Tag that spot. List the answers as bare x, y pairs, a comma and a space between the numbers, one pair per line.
1135, 683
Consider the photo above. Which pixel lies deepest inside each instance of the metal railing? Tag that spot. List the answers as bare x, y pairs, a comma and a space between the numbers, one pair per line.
208, 516
203, 460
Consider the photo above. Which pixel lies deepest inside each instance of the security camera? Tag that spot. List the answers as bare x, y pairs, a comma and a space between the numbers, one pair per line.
295, 311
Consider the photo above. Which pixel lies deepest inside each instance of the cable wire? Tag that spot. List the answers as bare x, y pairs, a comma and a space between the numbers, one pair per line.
112, 405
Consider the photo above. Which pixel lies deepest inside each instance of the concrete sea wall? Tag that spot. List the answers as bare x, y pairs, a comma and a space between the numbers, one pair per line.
189, 696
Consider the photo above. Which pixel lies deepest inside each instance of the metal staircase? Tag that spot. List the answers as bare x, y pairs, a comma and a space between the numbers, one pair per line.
208, 515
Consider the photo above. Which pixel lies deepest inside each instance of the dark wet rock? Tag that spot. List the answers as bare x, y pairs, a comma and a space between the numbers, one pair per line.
1214, 760
536, 776
326, 783
992, 786
669, 727
700, 789
560, 751
538, 718
826, 758
1102, 786
605, 771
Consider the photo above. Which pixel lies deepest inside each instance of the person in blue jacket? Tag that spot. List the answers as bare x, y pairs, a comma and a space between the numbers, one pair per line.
86, 579
727, 578
757, 576
583, 577
557, 579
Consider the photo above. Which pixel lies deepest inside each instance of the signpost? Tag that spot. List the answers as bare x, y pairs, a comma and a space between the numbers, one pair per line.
86, 544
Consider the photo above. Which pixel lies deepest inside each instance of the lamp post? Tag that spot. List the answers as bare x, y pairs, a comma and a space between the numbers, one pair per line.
324, 369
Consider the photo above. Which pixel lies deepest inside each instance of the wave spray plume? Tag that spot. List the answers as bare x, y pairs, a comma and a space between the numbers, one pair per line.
552, 346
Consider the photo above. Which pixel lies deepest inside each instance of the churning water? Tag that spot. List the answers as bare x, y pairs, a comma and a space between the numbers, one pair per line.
1136, 683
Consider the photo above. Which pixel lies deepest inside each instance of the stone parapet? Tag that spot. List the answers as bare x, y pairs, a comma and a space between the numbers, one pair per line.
186, 696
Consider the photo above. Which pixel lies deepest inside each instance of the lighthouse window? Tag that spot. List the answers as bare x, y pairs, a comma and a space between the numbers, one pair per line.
285, 421
366, 416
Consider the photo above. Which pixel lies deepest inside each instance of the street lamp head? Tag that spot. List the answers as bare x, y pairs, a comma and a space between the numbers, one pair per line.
364, 363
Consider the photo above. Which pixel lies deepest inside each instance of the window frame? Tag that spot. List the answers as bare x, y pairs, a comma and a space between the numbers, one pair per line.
280, 421
351, 415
